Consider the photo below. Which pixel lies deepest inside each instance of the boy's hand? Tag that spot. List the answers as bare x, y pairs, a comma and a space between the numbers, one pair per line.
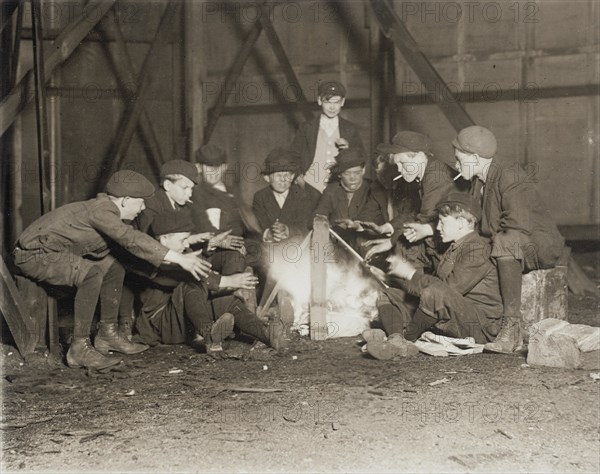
349, 224
280, 231
245, 281
380, 229
201, 237
191, 262
400, 267
414, 231
377, 246
226, 241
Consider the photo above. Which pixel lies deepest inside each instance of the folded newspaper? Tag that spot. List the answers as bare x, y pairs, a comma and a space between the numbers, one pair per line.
443, 346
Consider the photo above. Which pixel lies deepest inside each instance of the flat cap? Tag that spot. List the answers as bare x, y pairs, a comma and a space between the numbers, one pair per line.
463, 200
476, 139
211, 155
348, 158
406, 141
281, 159
182, 167
329, 89
129, 183
172, 222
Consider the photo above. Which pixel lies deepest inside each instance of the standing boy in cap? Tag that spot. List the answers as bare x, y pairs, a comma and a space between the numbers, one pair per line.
171, 301
71, 246
318, 141
462, 299
283, 209
411, 153
524, 235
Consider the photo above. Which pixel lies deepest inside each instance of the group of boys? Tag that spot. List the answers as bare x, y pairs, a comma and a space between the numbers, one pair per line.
184, 246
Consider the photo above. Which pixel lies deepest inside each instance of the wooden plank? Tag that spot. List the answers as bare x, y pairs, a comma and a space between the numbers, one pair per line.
130, 120
230, 80
61, 50
284, 62
318, 279
124, 71
392, 27
22, 326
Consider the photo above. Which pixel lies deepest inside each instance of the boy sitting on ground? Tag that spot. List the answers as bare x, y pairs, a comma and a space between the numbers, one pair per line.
462, 299
171, 299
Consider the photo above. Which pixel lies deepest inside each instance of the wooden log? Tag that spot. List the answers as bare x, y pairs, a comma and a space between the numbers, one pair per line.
16, 312
318, 274
544, 295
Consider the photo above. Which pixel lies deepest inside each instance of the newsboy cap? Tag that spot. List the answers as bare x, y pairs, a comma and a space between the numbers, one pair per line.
348, 158
463, 200
329, 89
171, 222
476, 139
182, 167
211, 155
129, 183
406, 141
281, 159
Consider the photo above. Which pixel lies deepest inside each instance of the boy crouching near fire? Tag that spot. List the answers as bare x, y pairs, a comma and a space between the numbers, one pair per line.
462, 298
172, 300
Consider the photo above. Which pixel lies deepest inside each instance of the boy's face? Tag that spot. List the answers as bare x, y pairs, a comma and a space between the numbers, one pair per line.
331, 106
213, 174
466, 163
352, 178
177, 241
179, 190
131, 207
411, 164
451, 228
280, 181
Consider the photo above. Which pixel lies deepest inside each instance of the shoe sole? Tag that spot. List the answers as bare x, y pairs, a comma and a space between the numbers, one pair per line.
105, 349
222, 327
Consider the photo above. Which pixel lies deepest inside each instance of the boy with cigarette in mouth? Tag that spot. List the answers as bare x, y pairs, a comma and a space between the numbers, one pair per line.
524, 235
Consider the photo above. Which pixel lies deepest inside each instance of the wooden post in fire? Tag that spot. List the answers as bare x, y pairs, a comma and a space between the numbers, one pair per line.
318, 279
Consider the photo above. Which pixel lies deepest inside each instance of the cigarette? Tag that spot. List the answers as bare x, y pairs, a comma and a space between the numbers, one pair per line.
189, 201
397, 177
457, 176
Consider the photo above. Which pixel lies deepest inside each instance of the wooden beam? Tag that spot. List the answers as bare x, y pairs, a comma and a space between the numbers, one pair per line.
124, 71
22, 326
129, 122
284, 62
61, 50
318, 278
7, 9
376, 82
392, 27
231, 79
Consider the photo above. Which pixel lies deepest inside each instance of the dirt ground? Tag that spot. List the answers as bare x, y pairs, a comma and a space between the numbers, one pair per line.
324, 406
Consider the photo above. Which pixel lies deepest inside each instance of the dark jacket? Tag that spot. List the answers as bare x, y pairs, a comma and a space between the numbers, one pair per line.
514, 216
467, 268
158, 204
305, 140
363, 206
206, 197
296, 213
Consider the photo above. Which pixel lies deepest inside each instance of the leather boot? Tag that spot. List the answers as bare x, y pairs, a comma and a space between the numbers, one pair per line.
509, 338
110, 339
83, 354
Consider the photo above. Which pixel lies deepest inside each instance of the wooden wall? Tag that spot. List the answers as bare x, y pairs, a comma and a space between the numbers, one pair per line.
551, 47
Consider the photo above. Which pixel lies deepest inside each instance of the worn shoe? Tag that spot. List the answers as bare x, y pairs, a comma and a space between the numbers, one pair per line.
395, 346
509, 338
83, 354
221, 328
110, 339
372, 335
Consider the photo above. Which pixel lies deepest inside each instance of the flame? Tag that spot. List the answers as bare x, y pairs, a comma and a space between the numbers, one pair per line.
351, 294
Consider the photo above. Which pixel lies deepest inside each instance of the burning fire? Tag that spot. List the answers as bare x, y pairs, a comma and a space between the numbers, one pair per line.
351, 295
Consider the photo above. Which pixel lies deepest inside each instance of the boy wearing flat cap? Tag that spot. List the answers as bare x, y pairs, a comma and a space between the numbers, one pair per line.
462, 299
411, 153
283, 209
524, 235
171, 301
318, 141
71, 246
